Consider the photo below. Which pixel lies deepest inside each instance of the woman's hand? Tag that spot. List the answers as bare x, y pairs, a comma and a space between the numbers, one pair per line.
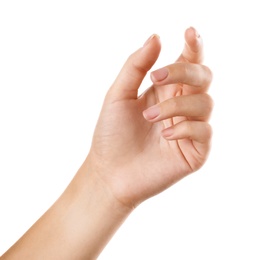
142, 145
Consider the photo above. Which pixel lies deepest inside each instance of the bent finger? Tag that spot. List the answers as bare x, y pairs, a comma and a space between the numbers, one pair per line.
191, 74
194, 130
197, 106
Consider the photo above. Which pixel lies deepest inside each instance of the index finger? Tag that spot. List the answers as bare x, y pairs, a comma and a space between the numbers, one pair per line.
193, 49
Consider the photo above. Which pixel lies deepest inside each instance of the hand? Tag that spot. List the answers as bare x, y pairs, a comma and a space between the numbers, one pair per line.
142, 145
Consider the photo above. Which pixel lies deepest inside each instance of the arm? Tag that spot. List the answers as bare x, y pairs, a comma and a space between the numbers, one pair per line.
77, 226
141, 146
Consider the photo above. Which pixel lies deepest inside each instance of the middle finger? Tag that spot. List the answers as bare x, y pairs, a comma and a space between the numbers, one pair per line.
196, 75
198, 105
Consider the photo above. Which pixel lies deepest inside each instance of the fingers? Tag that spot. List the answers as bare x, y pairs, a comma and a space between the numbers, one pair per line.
198, 106
134, 70
191, 74
195, 130
193, 49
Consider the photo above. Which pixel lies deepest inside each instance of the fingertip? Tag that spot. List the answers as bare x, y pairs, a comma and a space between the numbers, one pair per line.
153, 37
151, 50
159, 75
135, 68
151, 113
193, 32
167, 133
193, 39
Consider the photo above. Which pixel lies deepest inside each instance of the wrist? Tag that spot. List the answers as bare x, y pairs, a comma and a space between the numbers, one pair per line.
95, 214
91, 187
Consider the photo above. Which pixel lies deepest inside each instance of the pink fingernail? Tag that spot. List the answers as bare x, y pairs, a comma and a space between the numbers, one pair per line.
160, 74
151, 113
167, 132
149, 39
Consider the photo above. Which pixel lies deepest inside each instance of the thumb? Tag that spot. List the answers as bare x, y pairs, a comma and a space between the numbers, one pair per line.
134, 70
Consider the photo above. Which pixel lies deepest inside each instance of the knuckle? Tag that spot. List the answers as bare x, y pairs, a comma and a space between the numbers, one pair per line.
208, 131
208, 75
173, 104
207, 102
189, 129
184, 67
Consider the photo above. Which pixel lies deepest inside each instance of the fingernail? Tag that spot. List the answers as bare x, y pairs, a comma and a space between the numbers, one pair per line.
196, 32
167, 132
160, 74
151, 113
149, 39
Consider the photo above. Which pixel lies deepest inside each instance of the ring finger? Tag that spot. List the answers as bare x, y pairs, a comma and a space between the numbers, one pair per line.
196, 106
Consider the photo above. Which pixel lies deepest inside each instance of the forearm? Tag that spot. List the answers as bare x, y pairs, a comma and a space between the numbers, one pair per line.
78, 225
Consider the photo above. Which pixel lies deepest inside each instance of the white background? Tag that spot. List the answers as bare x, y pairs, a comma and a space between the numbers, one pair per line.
57, 60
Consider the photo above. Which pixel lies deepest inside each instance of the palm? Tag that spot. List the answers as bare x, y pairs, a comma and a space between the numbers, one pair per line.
127, 141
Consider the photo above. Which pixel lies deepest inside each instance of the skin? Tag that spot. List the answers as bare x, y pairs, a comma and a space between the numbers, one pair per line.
141, 146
